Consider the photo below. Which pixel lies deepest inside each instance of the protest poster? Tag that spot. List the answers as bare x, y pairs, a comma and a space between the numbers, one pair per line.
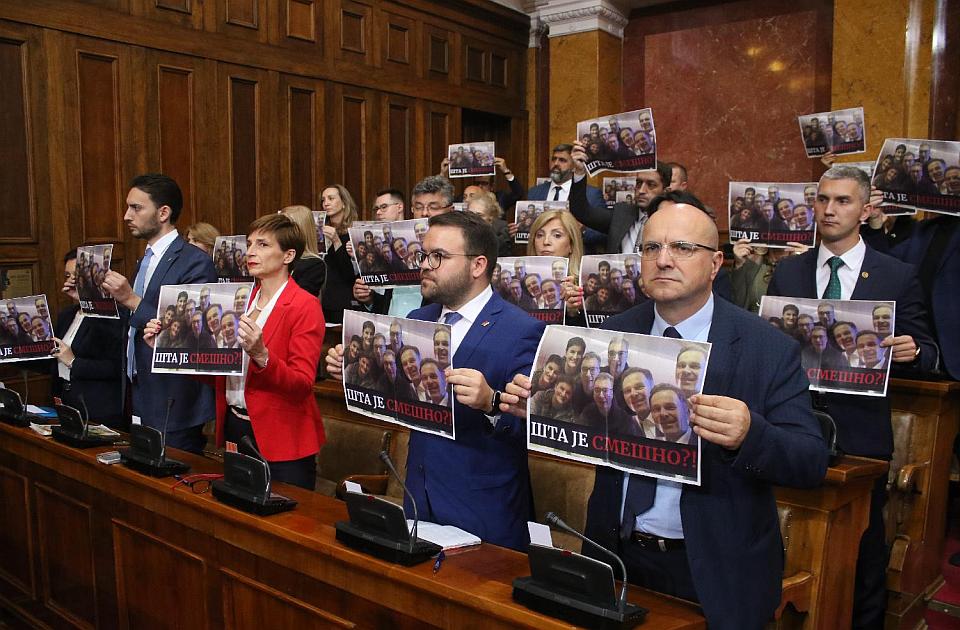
199, 325
839, 340
93, 263
471, 159
459, 206
386, 252
840, 132
319, 220
533, 284
526, 212
393, 369
629, 411
919, 174
623, 143
613, 186
542, 180
26, 331
230, 258
772, 213
611, 285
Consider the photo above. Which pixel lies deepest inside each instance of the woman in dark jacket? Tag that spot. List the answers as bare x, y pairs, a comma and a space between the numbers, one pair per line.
338, 292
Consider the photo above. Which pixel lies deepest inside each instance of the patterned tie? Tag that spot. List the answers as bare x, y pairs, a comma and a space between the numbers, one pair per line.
556, 193
832, 291
452, 318
641, 491
138, 289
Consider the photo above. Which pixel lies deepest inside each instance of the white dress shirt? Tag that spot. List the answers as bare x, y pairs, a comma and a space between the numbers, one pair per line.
62, 370
159, 249
564, 190
848, 272
237, 384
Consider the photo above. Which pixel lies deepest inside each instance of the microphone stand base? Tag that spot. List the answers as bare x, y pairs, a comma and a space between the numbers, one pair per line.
384, 548
242, 500
80, 441
165, 467
534, 596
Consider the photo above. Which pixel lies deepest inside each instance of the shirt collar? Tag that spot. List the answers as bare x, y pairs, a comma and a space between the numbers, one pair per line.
471, 310
852, 258
692, 327
165, 241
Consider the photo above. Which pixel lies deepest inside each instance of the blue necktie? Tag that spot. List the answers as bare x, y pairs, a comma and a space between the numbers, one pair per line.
452, 318
641, 491
138, 289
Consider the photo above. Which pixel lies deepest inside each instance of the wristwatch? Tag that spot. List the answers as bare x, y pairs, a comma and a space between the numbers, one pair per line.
495, 403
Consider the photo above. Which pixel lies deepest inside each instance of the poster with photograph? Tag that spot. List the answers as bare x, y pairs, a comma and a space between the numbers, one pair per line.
319, 220
617, 399
93, 263
27, 330
772, 213
840, 132
613, 186
623, 143
542, 180
230, 258
386, 252
393, 369
611, 285
199, 328
459, 206
840, 340
471, 159
533, 284
526, 212
920, 174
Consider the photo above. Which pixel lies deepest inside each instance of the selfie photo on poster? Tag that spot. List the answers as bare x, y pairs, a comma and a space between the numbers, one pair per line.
919, 174
230, 258
93, 263
624, 143
386, 253
319, 220
199, 325
471, 159
614, 187
393, 370
27, 330
617, 399
840, 132
526, 212
611, 285
533, 283
772, 213
839, 339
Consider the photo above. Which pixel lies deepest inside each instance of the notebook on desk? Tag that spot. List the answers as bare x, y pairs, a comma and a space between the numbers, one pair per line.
447, 536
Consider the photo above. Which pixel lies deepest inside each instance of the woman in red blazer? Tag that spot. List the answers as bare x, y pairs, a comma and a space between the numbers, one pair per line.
281, 333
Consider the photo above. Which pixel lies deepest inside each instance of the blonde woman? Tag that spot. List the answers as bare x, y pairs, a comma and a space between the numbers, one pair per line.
309, 272
338, 291
203, 236
556, 233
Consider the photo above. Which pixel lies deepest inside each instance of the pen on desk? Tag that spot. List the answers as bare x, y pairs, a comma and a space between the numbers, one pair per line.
438, 562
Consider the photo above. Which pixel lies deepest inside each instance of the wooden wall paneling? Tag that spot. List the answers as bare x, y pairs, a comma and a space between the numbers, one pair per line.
65, 539
170, 593
302, 157
248, 604
398, 140
442, 126
17, 199
475, 61
16, 533
400, 42
246, 19
354, 41
297, 24
353, 145
441, 54
186, 13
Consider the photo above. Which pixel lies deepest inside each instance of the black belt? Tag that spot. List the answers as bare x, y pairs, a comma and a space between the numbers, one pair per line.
656, 543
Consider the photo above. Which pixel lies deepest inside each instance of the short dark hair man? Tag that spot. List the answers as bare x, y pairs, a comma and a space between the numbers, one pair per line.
154, 203
460, 251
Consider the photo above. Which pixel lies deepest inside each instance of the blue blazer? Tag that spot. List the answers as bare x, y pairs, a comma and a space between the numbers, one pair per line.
182, 263
863, 422
730, 522
480, 482
591, 237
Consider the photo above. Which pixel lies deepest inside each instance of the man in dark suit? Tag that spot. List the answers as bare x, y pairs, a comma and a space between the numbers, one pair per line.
479, 482
718, 543
153, 207
843, 267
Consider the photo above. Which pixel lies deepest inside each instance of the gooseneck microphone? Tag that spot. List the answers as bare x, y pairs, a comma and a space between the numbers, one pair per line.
163, 433
248, 443
393, 471
553, 519
86, 415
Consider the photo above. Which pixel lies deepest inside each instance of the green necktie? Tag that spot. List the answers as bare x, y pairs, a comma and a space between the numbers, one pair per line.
833, 287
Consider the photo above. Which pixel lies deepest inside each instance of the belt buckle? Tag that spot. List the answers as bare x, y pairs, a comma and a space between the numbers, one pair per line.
662, 544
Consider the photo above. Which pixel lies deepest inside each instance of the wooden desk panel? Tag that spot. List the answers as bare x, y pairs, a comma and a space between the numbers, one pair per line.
87, 545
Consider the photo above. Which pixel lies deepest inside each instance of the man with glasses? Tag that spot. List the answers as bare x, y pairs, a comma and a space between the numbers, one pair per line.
479, 482
719, 543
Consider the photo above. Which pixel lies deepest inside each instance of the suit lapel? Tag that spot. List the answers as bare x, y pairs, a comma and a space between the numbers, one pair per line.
169, 256
809, 274
725, 351
275, 321
863, 289
478, 330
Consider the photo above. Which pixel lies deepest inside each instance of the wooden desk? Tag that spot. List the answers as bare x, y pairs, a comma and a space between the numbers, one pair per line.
87, 545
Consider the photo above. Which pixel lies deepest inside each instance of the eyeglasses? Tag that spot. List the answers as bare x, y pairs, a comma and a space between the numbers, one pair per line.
384, 206
435, 258
678, 250
433, 207
199, 483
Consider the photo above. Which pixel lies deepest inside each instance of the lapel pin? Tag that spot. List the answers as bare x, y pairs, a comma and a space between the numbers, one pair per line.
865, 274
485, 322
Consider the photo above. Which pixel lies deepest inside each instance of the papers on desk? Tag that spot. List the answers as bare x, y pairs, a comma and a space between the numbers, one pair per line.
447, 536
101, 430
540, 534
45, 430
46, 412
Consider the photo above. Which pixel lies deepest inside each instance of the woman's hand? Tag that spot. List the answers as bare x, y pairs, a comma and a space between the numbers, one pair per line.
151, 331
250, 336
63, 352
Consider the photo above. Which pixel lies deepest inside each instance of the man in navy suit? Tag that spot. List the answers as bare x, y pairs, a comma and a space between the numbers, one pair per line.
718, 543
843, 267
480, 482
153, 207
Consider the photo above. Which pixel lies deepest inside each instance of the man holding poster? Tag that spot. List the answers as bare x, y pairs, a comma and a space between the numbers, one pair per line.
718, 544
